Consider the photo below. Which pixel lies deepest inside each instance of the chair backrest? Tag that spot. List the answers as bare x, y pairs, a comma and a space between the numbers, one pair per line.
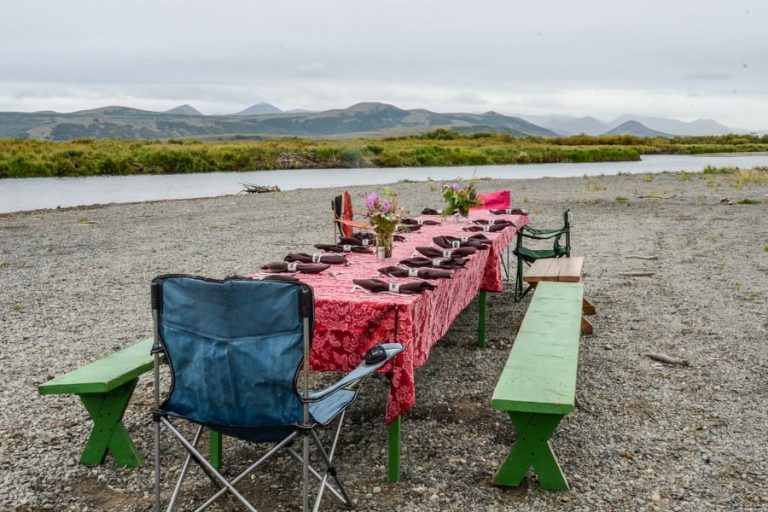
234, 347
342, 210
499, 200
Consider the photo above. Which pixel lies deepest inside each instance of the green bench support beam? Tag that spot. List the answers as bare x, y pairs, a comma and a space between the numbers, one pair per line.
537, 387
105, 387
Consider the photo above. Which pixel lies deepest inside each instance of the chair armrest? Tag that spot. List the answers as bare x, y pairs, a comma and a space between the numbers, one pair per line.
359, 373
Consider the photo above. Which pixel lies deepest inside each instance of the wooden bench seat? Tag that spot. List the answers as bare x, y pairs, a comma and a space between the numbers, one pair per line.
105, 387
537, 387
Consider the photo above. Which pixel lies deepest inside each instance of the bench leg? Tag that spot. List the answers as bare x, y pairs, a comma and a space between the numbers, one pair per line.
215, 446
109, 434
586, 326
481, 319
393, 465
587, 307
532, 449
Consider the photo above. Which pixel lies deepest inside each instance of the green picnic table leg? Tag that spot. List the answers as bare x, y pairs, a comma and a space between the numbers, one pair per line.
109, 434
393, 468
215, 445
532, 449
481, 319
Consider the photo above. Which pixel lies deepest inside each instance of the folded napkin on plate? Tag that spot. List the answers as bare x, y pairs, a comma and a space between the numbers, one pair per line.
377, 286
434, 252
493, 222
408, 228
423, 273
276, 277
430, 211
416, 222
488, 227
513, 211
304, 268
453, 242
398, 238
351, 240
446, 263
333, 259
344, 248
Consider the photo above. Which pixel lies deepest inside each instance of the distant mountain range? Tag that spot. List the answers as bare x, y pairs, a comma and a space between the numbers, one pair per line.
369, 119
567, 125
360, 120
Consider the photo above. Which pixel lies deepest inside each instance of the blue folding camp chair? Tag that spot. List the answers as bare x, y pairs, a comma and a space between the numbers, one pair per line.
236, 349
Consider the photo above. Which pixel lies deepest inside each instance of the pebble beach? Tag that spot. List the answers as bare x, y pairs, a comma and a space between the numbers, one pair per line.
647, 436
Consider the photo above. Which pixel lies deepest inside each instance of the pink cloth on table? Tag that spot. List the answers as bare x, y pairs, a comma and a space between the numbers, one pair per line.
348, 323
499, 200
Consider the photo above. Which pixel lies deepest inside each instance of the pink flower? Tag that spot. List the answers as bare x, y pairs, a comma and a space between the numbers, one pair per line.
455, 186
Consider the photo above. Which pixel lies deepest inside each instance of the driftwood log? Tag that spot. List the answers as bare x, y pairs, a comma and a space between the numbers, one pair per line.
259, 189
665, 358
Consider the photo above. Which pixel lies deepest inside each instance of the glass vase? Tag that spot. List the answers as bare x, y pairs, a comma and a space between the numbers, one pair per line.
385, 241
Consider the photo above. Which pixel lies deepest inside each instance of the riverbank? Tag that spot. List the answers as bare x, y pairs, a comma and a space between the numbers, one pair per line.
88, 157
75, 286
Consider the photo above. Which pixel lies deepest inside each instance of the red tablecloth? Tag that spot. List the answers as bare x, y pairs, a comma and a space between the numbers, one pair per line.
347, 322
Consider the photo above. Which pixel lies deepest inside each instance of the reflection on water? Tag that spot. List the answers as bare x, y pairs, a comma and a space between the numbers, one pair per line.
36, 193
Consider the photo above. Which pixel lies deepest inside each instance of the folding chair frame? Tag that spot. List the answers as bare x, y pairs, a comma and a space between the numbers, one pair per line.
540, 234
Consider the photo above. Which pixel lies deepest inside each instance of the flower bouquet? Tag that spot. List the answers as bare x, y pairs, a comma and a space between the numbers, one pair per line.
459, 197
384, 216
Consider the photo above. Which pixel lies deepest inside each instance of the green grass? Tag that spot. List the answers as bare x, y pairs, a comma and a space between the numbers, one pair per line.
18, 308
88, 157
5, 264
748, 201
765, 248
622, 199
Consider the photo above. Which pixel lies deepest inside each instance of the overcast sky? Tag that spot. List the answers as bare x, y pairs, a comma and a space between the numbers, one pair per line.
675, 58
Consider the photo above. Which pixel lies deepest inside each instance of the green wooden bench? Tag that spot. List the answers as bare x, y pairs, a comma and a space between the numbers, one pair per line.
537, 387
105, 387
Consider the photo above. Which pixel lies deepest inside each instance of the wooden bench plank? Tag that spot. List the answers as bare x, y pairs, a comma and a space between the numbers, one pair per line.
570, 269
540, 373
105, 374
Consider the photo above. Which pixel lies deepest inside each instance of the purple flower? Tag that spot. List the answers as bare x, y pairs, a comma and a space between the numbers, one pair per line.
370, 201
385, 206
455, 186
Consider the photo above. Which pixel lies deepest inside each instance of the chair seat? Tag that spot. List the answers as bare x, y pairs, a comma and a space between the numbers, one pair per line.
323, 411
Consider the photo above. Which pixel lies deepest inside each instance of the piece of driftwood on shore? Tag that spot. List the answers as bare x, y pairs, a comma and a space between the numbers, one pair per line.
259, 189
665, 358
654, 196
640, 257
636, 274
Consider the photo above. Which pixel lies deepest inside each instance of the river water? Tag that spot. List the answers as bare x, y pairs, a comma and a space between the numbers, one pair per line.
37, 193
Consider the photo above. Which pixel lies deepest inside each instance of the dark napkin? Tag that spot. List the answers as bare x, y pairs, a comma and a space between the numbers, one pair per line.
513, 211
333, 259
493, 222
433, 252
364, 235
415, 222
429, 211
398, 238
452, 242
340, 248
377, 285
304, 268
408, 228
488, 227
423, 273
445, 263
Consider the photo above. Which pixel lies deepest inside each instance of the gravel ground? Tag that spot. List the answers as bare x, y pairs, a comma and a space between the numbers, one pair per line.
648, 435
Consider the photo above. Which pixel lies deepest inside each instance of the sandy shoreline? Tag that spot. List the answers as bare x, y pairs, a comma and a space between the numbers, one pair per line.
75, 286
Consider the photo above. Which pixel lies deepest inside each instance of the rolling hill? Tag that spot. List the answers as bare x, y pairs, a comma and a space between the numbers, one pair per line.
635, 128
185, 110
361, 120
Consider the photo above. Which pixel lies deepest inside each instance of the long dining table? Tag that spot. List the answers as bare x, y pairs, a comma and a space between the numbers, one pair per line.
349, 320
